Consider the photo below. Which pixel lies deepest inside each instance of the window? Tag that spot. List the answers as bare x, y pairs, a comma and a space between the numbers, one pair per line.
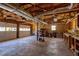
13, 29
10, 28
24, 29
53, 27
2, 28
7, 29
27, 29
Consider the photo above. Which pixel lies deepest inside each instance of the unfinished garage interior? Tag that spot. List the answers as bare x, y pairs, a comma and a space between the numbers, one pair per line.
39, 29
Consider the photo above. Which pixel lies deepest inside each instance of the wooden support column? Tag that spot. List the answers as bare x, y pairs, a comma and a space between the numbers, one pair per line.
37, 31
17, 34
31, 31
78, 21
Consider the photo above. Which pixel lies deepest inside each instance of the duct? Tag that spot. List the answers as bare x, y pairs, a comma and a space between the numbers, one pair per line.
58, 10
71, 5
38, 20
69, 20
19, 12
77, 14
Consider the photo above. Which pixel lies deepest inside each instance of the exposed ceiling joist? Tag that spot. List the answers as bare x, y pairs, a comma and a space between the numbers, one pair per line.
58, 10
20, 12
39, 7
16, 11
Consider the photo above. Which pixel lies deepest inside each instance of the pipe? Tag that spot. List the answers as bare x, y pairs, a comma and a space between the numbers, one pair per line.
71, 5
72, 18
58, 10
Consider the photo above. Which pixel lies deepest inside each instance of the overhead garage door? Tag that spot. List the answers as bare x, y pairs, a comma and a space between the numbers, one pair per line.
7, 31
24, 31
11, 30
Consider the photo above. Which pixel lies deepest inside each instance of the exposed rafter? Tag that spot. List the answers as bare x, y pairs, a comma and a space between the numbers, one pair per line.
19, 12
58, 10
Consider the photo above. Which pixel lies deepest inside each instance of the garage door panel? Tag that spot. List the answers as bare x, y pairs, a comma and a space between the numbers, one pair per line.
24, 31
7, 34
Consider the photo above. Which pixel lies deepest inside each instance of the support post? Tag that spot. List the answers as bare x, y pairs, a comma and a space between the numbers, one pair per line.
37, 32
17, 34
31, 31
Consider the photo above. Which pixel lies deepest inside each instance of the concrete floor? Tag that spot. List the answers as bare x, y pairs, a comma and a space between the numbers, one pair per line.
29, 46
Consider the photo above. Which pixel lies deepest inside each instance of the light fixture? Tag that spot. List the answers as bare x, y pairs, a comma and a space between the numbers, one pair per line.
55, 19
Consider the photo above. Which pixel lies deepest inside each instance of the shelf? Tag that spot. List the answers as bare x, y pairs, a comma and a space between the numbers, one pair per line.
77, 51
77, 44
73, 43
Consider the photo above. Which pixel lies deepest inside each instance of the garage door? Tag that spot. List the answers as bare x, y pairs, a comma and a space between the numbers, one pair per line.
7, 31
24, 31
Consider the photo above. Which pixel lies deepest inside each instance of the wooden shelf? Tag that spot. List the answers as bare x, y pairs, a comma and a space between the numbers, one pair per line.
77, 51
73, 43
77, 44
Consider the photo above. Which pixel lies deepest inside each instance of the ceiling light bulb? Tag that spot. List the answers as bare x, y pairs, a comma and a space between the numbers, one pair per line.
55, 19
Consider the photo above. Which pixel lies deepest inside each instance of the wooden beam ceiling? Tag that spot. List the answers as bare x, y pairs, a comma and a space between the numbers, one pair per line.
39, 8
6, 16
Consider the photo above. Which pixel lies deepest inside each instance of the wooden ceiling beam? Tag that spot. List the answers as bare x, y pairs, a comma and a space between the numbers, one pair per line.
75, 10
59, 12
39, 7
27, 7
